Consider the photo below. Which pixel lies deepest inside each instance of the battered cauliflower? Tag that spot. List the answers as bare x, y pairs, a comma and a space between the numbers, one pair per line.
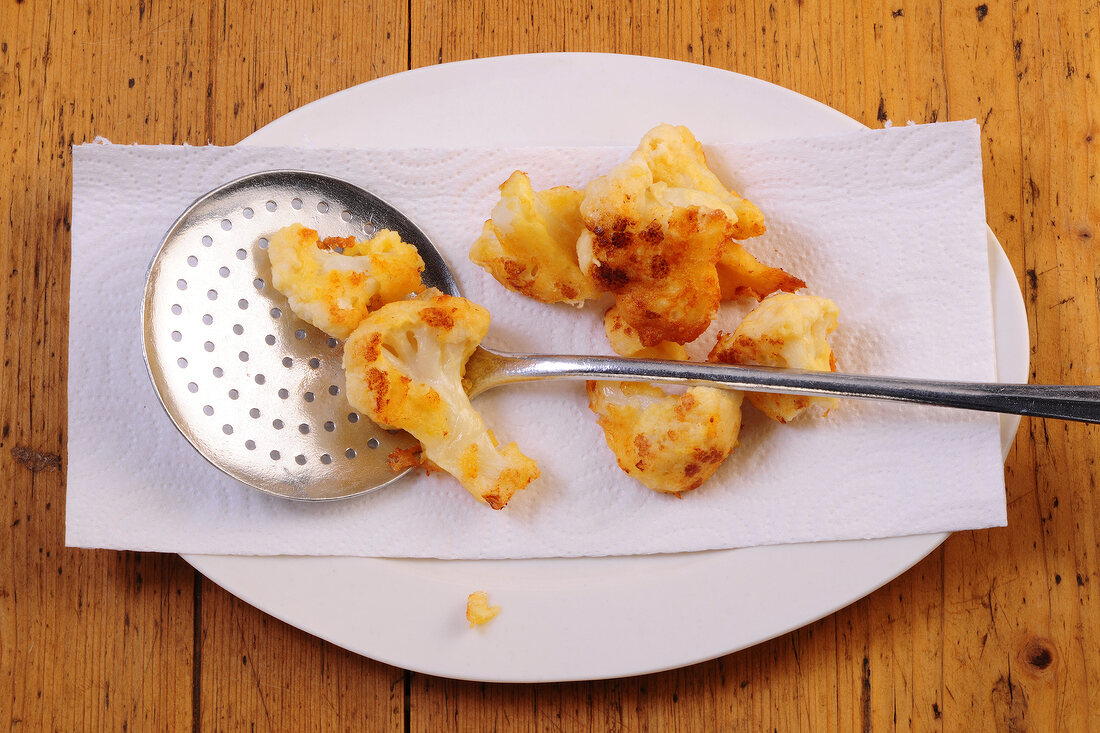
676, 159
334, 291
530, 243
740, 274
784, 330
656, 226
478, 610
671, 443
404, 367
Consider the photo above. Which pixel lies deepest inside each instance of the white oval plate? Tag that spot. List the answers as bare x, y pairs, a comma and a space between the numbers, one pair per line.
587, 618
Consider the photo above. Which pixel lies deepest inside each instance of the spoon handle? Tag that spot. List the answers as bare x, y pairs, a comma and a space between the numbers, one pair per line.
488, 369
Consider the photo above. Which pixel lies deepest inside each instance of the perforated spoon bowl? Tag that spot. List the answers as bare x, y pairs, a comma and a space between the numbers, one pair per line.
260, 393
256, 390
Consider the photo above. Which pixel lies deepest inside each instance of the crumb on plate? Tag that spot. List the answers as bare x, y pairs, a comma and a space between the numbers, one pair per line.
478, 610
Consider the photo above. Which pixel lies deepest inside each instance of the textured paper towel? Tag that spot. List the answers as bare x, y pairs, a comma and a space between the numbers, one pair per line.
888, 223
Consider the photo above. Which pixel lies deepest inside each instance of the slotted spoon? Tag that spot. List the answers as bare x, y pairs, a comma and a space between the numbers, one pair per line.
260, 393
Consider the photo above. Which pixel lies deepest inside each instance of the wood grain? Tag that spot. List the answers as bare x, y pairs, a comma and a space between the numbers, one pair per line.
997, 629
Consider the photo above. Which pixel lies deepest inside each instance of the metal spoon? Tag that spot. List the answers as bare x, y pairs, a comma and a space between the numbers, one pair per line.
259, 392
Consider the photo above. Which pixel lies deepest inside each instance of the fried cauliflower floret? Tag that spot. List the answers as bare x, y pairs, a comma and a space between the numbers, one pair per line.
671, 443
702, 428
530, 243
334, 291
740, 275
676, 158
404, 366
784, 330
656, 226
478, 610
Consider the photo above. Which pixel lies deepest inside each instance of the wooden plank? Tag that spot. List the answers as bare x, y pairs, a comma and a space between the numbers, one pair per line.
88, 640
256, 670
1052, 508
266, 65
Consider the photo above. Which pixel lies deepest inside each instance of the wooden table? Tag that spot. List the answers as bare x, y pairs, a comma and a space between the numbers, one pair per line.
996, 629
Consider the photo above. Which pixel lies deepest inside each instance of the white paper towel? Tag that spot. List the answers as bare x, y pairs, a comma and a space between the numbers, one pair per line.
889, 224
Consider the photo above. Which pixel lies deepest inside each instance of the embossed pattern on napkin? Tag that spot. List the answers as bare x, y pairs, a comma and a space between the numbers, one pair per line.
888, 223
